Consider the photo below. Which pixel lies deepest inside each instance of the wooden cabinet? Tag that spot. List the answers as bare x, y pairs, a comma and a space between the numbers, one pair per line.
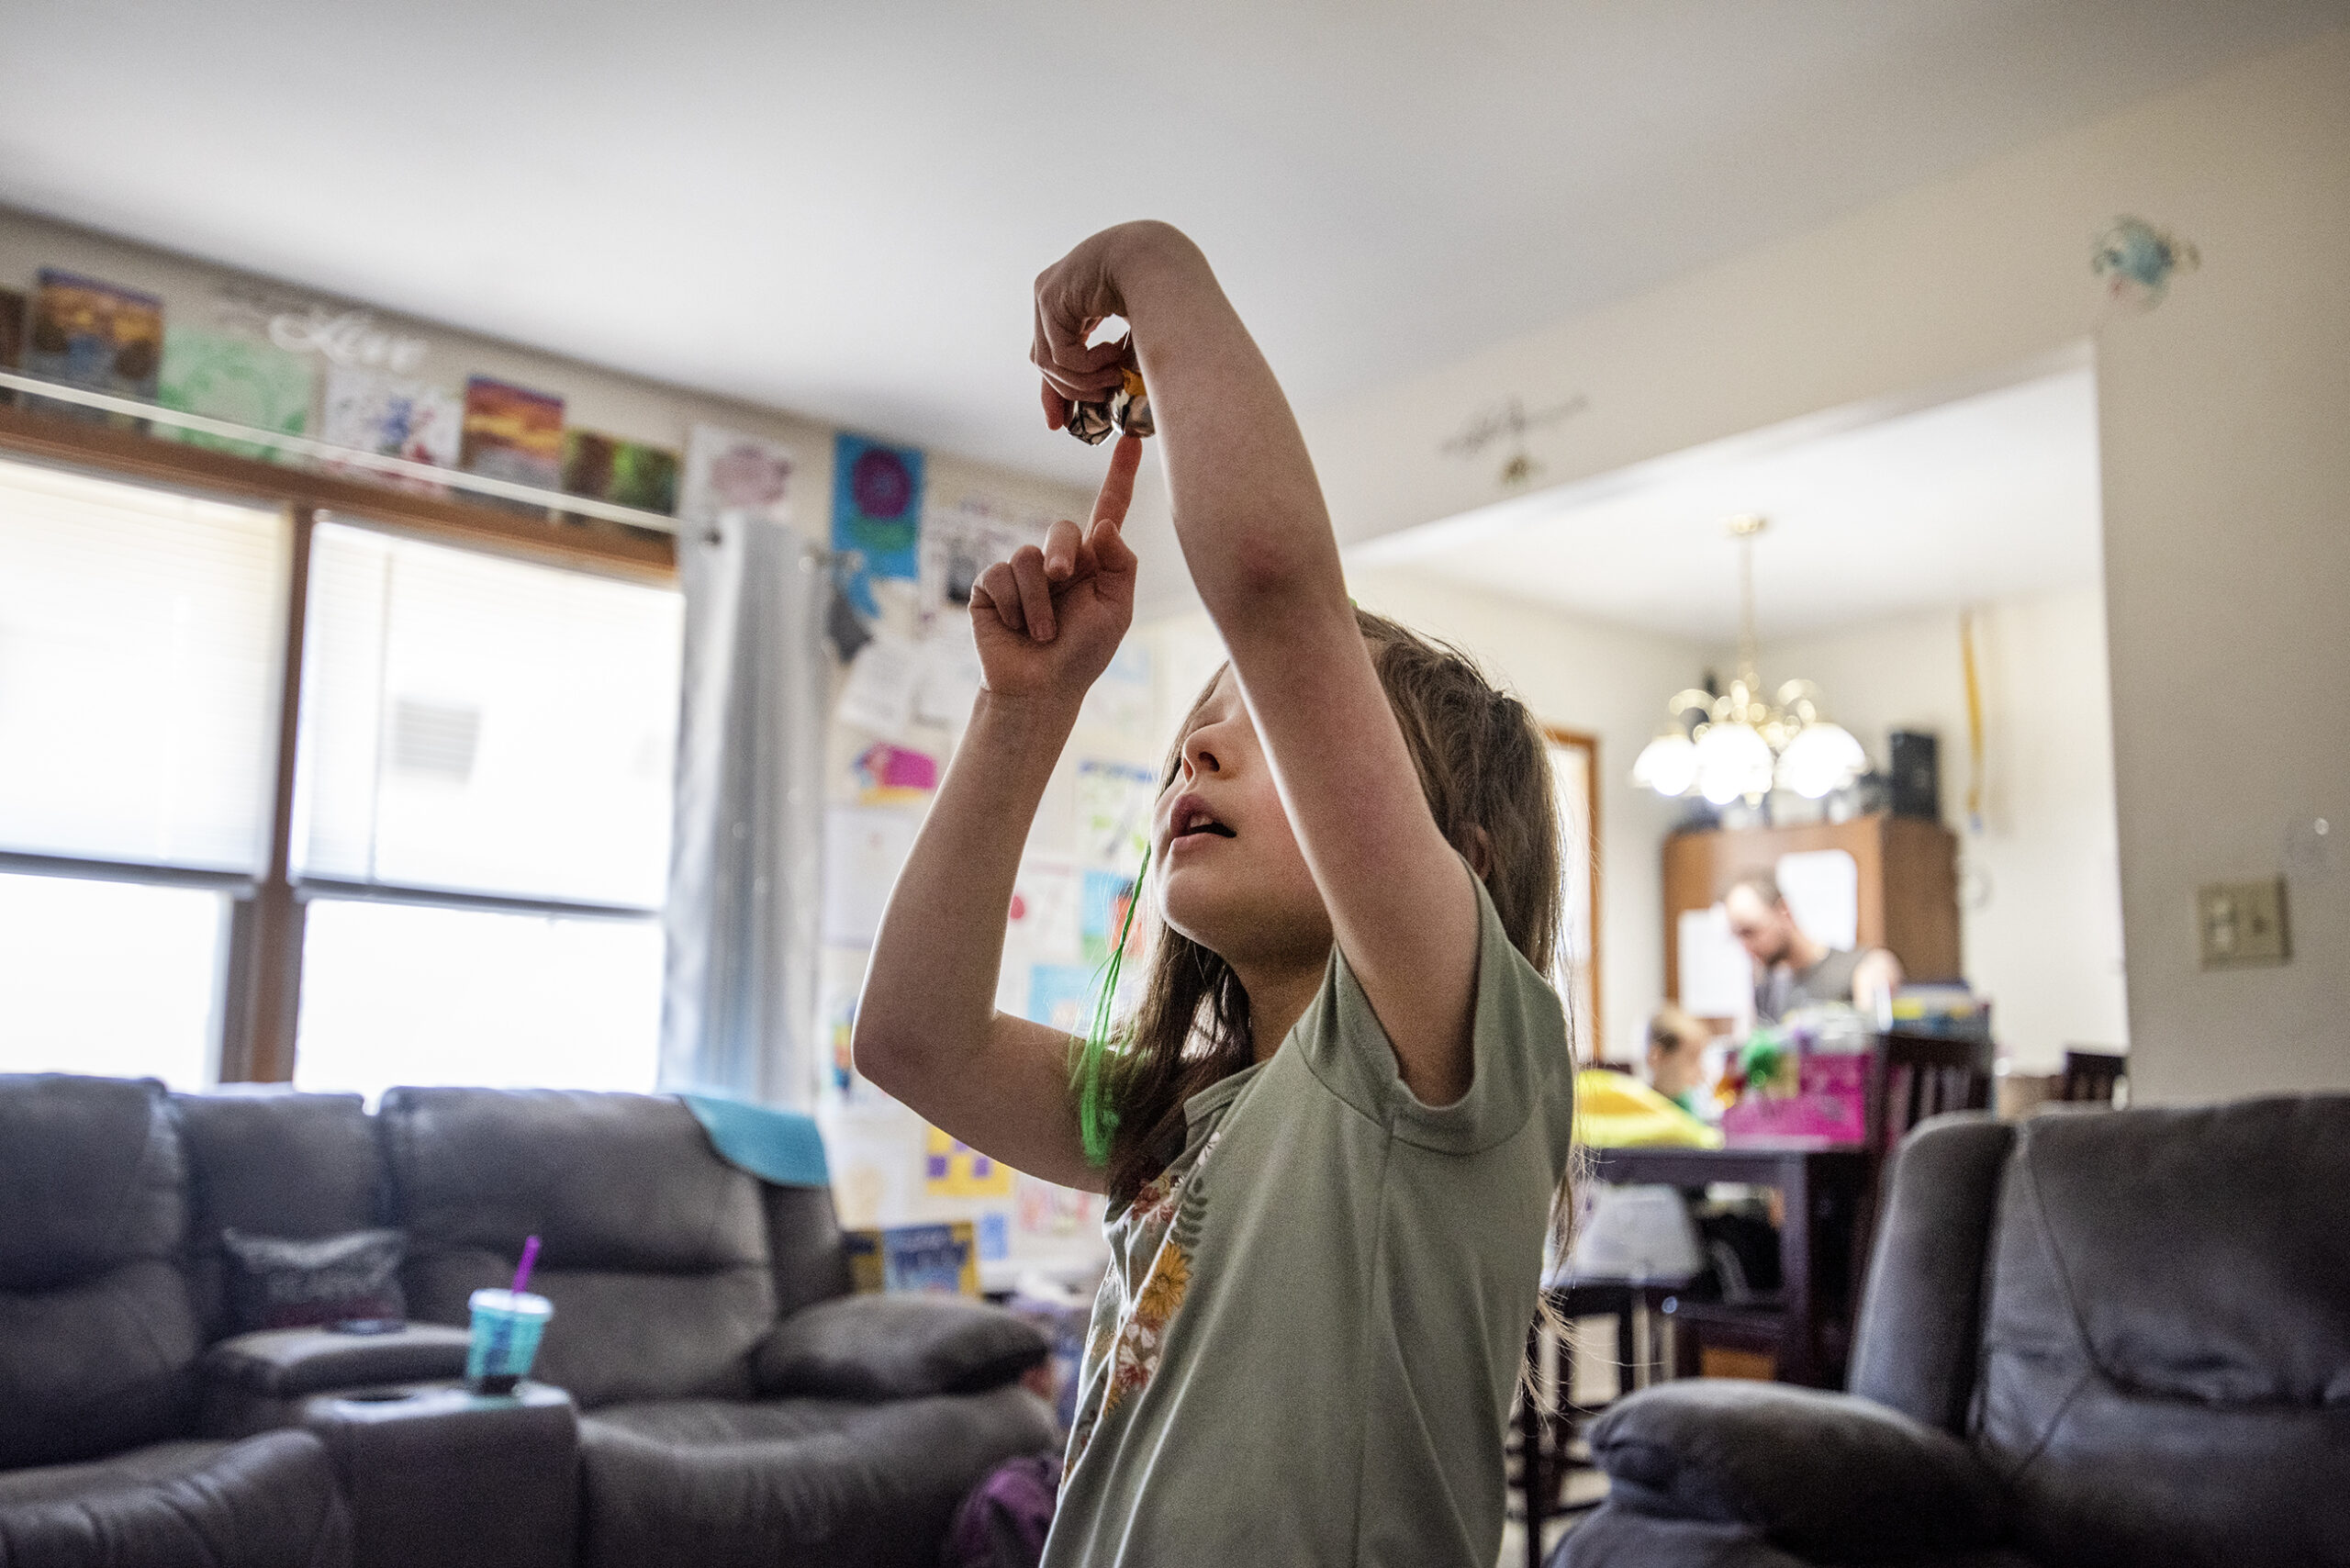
1909, 883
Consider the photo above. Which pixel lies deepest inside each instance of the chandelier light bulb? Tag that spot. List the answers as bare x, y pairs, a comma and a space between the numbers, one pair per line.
1667, 765
1821, 758
1733, 760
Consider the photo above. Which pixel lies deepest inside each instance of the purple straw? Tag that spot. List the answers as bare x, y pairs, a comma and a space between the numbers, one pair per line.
523, 1270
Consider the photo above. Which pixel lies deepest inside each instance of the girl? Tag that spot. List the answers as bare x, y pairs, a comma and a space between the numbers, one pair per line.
1331, 1136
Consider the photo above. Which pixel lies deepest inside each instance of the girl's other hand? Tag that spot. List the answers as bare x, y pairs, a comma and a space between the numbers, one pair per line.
1048, 619
1080, 291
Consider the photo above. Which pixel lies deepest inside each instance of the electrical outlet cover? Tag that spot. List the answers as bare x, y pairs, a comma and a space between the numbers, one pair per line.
2240, 923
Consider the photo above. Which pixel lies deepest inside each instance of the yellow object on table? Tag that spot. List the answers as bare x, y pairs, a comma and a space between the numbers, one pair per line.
1614, 1110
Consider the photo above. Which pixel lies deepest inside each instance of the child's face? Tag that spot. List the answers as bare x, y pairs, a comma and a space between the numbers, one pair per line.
1229, 871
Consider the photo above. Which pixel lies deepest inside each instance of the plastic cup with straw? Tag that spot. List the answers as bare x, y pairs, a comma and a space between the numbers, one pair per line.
506, 1329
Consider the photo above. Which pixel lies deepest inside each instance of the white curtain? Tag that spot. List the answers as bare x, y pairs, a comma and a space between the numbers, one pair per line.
738, 1015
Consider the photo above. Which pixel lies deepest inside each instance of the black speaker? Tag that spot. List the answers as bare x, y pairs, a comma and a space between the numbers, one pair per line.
1917, 773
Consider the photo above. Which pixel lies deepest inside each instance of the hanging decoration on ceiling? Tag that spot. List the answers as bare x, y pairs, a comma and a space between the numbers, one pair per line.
1736, 745
1509, 420
2137, 261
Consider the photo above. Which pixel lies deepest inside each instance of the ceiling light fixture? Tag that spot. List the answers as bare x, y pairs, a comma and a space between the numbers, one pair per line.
1739, 745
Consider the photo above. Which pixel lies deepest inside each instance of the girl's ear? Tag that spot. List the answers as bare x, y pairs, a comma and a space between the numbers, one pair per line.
1481, 853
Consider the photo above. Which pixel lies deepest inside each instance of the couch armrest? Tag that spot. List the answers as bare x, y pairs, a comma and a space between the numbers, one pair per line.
281, 1364
437, 1475
897, 1346
1824, 1475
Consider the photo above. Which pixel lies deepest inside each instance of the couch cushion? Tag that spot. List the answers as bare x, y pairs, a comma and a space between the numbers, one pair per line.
654, 1250
731, 1485
98, 1335
268, 1502
269, 1161
898, 1347
2165, 1371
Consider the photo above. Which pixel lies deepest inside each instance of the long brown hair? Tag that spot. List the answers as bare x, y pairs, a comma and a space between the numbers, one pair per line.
1486, 773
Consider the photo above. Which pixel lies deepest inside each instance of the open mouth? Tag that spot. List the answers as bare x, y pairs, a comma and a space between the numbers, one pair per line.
1192, 819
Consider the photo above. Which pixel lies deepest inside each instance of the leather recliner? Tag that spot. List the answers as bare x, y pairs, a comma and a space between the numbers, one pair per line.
2089, 1340
101, 1457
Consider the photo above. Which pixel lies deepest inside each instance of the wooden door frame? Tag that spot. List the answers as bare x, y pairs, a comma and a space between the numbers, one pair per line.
1588, 743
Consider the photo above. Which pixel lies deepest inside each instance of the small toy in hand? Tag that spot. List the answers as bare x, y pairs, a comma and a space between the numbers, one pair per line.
1127, 409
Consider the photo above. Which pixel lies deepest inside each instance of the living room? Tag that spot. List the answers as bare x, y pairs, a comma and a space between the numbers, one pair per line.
486, 615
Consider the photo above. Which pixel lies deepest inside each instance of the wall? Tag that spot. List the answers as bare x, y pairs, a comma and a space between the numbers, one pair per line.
594, 399
2040, 898
2223, 471
1604, 680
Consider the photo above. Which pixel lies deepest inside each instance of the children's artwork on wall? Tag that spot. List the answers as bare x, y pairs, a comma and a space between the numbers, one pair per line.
878, 695
864, 847
1113, 806
512, 433
1042, 1210
1102, 912
1042, 926
960, 542
391, 417
890, 775
840, 976
951, 673
625, 473
1121, 699
12, 337
955, 1169
243, 379
95, 335
877, 512
2136, 262
727, 471
1060, 996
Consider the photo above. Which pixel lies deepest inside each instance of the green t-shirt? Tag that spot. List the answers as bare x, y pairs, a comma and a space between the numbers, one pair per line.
1305, 1346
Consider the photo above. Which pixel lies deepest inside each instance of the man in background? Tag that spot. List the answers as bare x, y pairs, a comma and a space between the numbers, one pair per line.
1792, 970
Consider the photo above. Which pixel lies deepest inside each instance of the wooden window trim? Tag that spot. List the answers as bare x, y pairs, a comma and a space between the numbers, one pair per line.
127, 455
1589, 744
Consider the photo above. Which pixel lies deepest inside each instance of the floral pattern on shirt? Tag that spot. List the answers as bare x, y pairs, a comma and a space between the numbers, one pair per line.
1136, 1307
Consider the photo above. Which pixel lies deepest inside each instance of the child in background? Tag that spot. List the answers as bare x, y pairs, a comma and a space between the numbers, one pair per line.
1332, 1133
1677, 1058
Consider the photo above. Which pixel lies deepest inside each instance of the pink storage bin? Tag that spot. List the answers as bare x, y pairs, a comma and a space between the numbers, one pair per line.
1829, 1105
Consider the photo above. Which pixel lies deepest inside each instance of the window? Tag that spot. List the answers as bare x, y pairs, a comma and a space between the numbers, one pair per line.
140, 638
459, 869
485, 754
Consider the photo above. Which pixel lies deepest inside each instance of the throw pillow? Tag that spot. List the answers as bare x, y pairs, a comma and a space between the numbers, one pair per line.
897, 1346
278, 1283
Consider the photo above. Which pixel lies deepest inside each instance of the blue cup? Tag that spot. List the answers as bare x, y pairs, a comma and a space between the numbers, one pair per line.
505, 1332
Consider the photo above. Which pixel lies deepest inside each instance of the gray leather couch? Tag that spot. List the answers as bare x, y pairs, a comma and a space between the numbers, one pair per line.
2089, 1340
728, 1400
102, 1459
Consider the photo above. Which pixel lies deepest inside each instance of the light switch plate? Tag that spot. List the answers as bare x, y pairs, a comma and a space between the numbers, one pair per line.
2242, 923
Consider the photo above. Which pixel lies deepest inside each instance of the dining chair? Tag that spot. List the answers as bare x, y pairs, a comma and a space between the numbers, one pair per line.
2093, 1077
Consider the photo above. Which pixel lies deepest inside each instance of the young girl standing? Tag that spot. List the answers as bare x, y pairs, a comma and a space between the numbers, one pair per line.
1331, 1136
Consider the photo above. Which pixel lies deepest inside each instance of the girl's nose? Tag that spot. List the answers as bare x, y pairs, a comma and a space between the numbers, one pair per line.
1198, 759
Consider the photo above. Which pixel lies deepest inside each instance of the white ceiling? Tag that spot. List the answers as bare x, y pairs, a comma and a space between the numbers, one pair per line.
1971, 499
837, 207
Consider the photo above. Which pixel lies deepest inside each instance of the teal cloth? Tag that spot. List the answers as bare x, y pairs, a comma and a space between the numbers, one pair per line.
782, 1146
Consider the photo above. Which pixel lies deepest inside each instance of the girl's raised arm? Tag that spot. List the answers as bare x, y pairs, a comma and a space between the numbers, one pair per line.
1256, 534
927, 1030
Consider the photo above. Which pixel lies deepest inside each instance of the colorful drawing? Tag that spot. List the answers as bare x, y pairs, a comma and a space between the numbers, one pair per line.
727, 471
995, 1236
392, 418
1060, 996
2137, 262
1102, 912
1046, 1210
625, 473
240, 379
95, 335
1113, 806
512, 433
938, 1258
894, 775
877, 512
954, 1170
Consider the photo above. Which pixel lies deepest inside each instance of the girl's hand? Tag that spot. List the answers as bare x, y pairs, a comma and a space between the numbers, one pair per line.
1049, 620
1085, 288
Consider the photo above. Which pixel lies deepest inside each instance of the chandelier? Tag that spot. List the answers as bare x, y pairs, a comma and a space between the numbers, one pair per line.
1739, 745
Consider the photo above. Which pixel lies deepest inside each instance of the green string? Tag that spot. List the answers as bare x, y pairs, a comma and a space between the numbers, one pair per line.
1097, 1119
